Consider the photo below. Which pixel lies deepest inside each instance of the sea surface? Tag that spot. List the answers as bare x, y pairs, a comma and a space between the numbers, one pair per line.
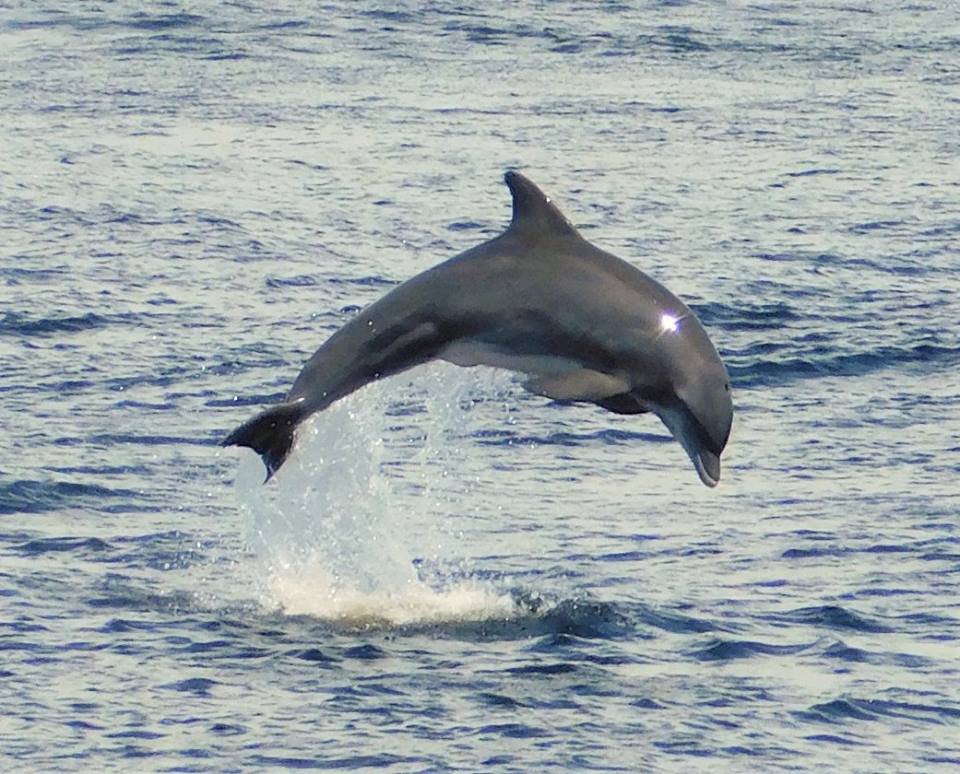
451, 574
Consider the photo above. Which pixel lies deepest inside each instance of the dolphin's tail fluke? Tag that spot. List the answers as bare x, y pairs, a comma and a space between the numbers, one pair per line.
270, 434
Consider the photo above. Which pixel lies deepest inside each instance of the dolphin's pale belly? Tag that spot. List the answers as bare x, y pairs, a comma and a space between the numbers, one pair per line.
470, 352
552, 376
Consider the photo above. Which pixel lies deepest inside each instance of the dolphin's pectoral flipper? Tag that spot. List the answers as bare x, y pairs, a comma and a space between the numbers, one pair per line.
270, 434
580, 384
624, 403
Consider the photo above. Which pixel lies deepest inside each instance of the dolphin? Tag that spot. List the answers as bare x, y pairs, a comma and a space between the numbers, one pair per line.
539, 299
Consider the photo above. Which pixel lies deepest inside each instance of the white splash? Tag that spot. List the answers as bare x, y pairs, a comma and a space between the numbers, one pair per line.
313, 590
367, 496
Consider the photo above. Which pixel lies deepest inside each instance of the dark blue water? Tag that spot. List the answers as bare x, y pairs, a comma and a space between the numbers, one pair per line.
452, 574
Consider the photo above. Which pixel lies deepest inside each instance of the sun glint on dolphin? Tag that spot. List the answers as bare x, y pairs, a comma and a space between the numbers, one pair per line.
578, 322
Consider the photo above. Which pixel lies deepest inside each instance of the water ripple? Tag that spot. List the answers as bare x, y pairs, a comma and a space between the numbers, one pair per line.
727, 650
40, 496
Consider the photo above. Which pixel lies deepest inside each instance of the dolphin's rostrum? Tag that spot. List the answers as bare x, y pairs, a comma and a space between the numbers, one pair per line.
539, 299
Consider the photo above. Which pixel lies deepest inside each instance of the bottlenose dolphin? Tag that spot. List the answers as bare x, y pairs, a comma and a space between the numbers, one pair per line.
538, 299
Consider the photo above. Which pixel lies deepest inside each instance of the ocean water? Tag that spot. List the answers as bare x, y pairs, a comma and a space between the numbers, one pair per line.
451, 574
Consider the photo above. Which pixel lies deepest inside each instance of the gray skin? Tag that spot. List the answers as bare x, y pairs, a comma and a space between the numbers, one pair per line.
580, 323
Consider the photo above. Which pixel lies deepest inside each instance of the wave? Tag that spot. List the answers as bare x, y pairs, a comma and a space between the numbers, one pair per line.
12, 323
728, 650
765, 373
139, 21
845, 709
113, 439
313, 280
831, 617
46, 545
673, 622
161, 551
28, 496
840, 650
198, 686
927, 550
746, 317
19, 324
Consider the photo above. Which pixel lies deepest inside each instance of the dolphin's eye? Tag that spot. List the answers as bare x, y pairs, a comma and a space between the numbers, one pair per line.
726, 387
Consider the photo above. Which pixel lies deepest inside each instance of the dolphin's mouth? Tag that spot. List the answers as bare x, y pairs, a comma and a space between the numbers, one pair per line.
690, 435
708, 466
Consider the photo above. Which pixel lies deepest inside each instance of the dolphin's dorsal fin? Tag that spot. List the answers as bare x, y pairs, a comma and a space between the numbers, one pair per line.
533, 213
